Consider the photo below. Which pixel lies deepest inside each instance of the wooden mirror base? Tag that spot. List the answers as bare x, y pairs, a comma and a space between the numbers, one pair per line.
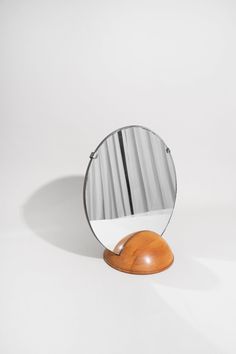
144, 252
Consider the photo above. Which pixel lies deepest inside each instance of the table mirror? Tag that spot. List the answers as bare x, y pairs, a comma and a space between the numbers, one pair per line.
129, 197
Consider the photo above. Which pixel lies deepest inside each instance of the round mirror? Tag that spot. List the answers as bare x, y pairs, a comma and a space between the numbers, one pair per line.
130, 185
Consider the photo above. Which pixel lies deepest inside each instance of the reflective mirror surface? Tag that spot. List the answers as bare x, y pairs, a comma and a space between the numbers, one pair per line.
130, 185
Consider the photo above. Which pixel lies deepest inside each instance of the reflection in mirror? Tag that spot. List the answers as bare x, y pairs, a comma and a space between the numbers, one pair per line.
130, 185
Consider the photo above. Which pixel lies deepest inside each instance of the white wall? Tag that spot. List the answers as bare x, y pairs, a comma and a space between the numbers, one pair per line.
72, 71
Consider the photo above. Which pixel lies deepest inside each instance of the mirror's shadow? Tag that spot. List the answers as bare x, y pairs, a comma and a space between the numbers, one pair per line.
55, 212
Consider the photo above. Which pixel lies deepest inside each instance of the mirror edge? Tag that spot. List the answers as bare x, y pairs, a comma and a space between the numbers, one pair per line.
91, 159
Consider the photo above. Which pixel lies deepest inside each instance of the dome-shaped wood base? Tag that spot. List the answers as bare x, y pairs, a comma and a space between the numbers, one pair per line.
144, 252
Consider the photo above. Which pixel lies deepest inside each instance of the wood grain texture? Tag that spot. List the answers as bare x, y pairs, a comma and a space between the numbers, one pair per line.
144, 252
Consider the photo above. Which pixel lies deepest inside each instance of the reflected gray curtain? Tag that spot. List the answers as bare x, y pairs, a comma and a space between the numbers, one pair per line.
132, 173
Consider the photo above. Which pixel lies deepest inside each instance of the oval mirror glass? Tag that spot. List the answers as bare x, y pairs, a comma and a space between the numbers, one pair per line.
130, 185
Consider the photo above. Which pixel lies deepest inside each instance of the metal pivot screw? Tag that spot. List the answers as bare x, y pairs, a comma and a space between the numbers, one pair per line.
93, 155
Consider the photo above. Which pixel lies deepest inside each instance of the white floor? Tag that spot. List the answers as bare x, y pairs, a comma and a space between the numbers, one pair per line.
58, 295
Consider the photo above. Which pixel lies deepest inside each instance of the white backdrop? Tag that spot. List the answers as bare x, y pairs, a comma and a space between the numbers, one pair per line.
71, 72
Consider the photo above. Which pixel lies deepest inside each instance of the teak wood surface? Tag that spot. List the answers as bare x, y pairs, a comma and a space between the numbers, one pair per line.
143, 252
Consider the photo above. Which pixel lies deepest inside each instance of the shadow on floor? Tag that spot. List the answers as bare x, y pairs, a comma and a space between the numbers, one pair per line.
55, 212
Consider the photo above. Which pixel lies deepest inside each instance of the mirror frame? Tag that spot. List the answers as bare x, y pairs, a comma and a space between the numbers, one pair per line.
91, 157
